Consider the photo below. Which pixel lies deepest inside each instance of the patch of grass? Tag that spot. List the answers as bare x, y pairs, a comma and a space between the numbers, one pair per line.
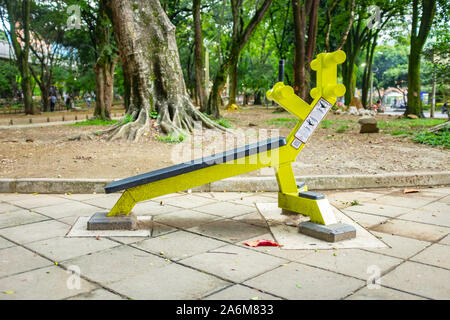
128, 118
401, 132
224, 123
282, 122
407, 123
170, 138
342, 128
95, 122
439, 138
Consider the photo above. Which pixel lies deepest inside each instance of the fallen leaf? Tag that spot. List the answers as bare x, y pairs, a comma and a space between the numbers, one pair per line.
298, 286
410, 191
254, 298
9, 292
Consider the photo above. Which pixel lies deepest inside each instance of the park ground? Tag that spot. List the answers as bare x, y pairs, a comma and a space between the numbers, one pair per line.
36, 150
196, 250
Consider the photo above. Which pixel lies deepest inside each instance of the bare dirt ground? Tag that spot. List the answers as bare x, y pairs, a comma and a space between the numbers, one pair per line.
49, 153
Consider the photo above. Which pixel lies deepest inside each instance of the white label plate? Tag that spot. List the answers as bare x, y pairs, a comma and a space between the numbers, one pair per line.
313, 119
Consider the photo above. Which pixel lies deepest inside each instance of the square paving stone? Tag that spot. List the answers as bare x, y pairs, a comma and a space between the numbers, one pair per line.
403, 201
226, 209
445, 200
43, 284
251, 200
5, 243
97, 294
240, 292
382, 294
68, 209
424, 193
437, 255
35, 231
17, 259
233, 262
253, 218
229, 230
225, 196
352, 262
106, 202
416, 278
185, 219
425, 216
378, 209
81, 197
436, 207
365, 220
30, 201
445, 240
152, 208
400, 247
159, 229
6, 208
343, 199
172, 282
188, 201
116, 264
301, 282
19, 217
411, 229
60, 248
178, 245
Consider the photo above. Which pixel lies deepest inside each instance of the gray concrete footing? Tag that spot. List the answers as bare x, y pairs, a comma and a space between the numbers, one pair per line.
101, 221
332, 233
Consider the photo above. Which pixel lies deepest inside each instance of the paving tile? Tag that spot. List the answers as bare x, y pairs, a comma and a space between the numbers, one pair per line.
251, 200
352, 262
97, 294
445, 199
420, 279
240, 292
5, 243
233, 262
185, 219
179, 245
423, 193
382, 293
171, 282
6, 207
81, 197
60, 248
400, 247
437, 255
167, 196
365, 220
428, 216
116, 264
436, 207
413, 229
106, 202
379, 209
445, 240
43, 284
19, 217
152, 208
35, 231
301, 282
129, 240
445, 191
253, 218
188, 201
225, 196
343, 199
35, 201
229, 230
17, 259
68, 209
159, 229
402, 201
226, 209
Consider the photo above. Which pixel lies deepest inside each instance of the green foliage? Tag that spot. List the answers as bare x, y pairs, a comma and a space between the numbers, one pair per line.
8, 80
282, 122
94, 122
406, 123
170, 138
224, 123
439, 138
128, 118
342, 129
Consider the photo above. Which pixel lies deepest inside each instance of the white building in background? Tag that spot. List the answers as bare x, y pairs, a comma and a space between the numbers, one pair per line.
4, 50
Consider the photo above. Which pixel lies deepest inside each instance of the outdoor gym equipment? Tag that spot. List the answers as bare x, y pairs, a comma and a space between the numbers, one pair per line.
278, 153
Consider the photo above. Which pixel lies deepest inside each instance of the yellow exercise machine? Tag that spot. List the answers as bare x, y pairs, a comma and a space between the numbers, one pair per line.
278, 153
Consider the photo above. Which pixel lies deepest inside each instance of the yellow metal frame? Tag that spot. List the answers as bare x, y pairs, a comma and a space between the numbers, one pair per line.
280, 159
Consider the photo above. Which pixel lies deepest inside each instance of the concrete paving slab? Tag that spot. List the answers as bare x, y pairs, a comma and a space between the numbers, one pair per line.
233, 263
437, 255
445, 240
16, 259
225, 196
411, 229
416, 278
382, 294
116, 264
402, 201
290, 238
81, 197
61, 248
68, 209
172, 282
365, 220
105, 202
445, 200
30, 201
5, 243
301, 282
379, 209
187, 201
35, 231
179, 245
344, 199
229, 230
159, 229
19, 217
79, 229
424, 193
7, 207
225, 209
400, 247
97, 294
352, 262
151, 208
251, 200
240, 292
43, 284
429, 217
253, 218
436, 207
185, 219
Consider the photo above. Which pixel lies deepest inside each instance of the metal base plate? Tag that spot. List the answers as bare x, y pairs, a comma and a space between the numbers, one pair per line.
100, 221
331, 233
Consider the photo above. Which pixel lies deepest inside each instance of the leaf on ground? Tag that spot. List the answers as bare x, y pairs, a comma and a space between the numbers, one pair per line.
406, 191
9, 292
254, 298
298, 286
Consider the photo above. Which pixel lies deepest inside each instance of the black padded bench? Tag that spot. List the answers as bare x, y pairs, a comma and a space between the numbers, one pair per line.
194, 165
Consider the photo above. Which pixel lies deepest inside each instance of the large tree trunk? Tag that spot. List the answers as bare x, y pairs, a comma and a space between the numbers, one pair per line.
298, 11
149, 55
199, 79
